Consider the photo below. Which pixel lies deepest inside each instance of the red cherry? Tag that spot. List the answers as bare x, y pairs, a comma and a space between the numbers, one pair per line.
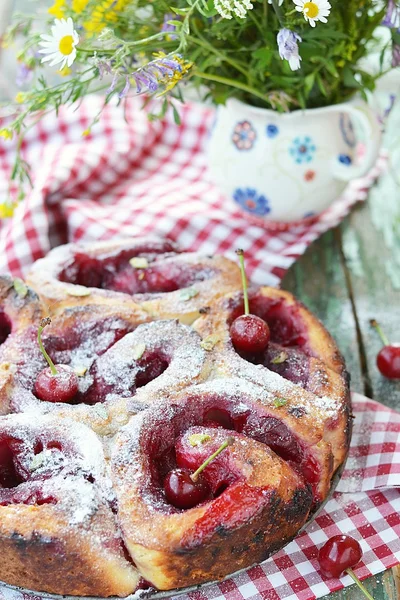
181, 491
249, 333
388, 361
61, 387
339, 553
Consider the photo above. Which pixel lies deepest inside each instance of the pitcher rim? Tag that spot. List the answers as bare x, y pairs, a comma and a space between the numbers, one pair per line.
260, 110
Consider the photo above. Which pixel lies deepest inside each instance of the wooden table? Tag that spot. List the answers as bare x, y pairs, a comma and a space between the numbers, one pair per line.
350, 275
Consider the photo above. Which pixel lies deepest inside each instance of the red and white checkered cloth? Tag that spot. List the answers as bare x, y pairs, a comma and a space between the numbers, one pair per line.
133, 177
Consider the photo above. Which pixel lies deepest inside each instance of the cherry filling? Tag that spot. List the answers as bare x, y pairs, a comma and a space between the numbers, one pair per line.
151, 365
217, 415
19, 483
149, 275
124, 380
5, 327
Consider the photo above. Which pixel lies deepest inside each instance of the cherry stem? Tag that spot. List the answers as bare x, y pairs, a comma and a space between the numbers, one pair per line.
360, 585
378, 328
225, 444
43, 324
240, 254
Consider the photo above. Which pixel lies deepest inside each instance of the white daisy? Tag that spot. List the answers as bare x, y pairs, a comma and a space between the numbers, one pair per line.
316, 10
60, 47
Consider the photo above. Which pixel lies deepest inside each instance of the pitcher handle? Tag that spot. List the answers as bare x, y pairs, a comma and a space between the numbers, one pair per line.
371, 128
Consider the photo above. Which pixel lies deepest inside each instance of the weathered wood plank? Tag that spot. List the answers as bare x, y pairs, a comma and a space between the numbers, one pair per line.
366, 258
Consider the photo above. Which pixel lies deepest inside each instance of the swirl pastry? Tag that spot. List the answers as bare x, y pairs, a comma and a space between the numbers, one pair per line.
166, 282
121, 369
301, 365
258, 499
58, 530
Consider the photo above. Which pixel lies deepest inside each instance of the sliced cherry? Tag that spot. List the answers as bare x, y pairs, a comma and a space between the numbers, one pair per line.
9, 477
249, 333
181, 491
54, 384
388, 359
5, 327
338, 555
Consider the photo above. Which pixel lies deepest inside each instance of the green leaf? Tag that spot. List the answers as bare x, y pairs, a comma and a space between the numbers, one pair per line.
309, 83
138, 351
188, 293
180, 11
20, 287
280, 358
139, 262
78, 291
278, 402
197, 439
177, 117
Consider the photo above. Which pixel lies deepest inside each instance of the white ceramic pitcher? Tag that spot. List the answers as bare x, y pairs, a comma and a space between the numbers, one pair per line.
284, 167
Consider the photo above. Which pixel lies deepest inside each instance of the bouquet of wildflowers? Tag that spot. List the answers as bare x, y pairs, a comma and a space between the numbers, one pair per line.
280, 54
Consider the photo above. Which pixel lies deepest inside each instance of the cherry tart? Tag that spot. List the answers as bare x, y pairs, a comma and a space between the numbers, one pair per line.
252, 500
165, 281
58, 528
120, 367
301, 365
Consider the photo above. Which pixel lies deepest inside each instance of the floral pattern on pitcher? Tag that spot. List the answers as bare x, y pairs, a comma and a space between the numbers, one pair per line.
347, 130
251, 201
244, 135
271, 130
302, 149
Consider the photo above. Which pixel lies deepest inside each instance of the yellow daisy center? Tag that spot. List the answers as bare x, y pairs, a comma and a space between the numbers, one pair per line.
311, 9
66, 45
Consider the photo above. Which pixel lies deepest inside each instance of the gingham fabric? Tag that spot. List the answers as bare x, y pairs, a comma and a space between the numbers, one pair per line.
133, 177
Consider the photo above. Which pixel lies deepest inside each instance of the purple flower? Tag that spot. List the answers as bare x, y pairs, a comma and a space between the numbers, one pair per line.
396, 55
288, 47
24, 75
127, 86
167, 27
392, 17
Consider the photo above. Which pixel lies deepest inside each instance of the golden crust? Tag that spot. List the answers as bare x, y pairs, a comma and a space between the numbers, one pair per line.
222, 277
174, 548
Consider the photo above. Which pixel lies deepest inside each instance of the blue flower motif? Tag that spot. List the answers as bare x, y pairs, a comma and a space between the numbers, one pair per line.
244, 135
272, 130
347, 129
251, 201
345, 159
302, 150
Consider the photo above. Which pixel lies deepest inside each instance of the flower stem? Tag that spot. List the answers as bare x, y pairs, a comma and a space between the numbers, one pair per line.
381, 334
43, 324
240, 254
360, 585
225, 444
232, 83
